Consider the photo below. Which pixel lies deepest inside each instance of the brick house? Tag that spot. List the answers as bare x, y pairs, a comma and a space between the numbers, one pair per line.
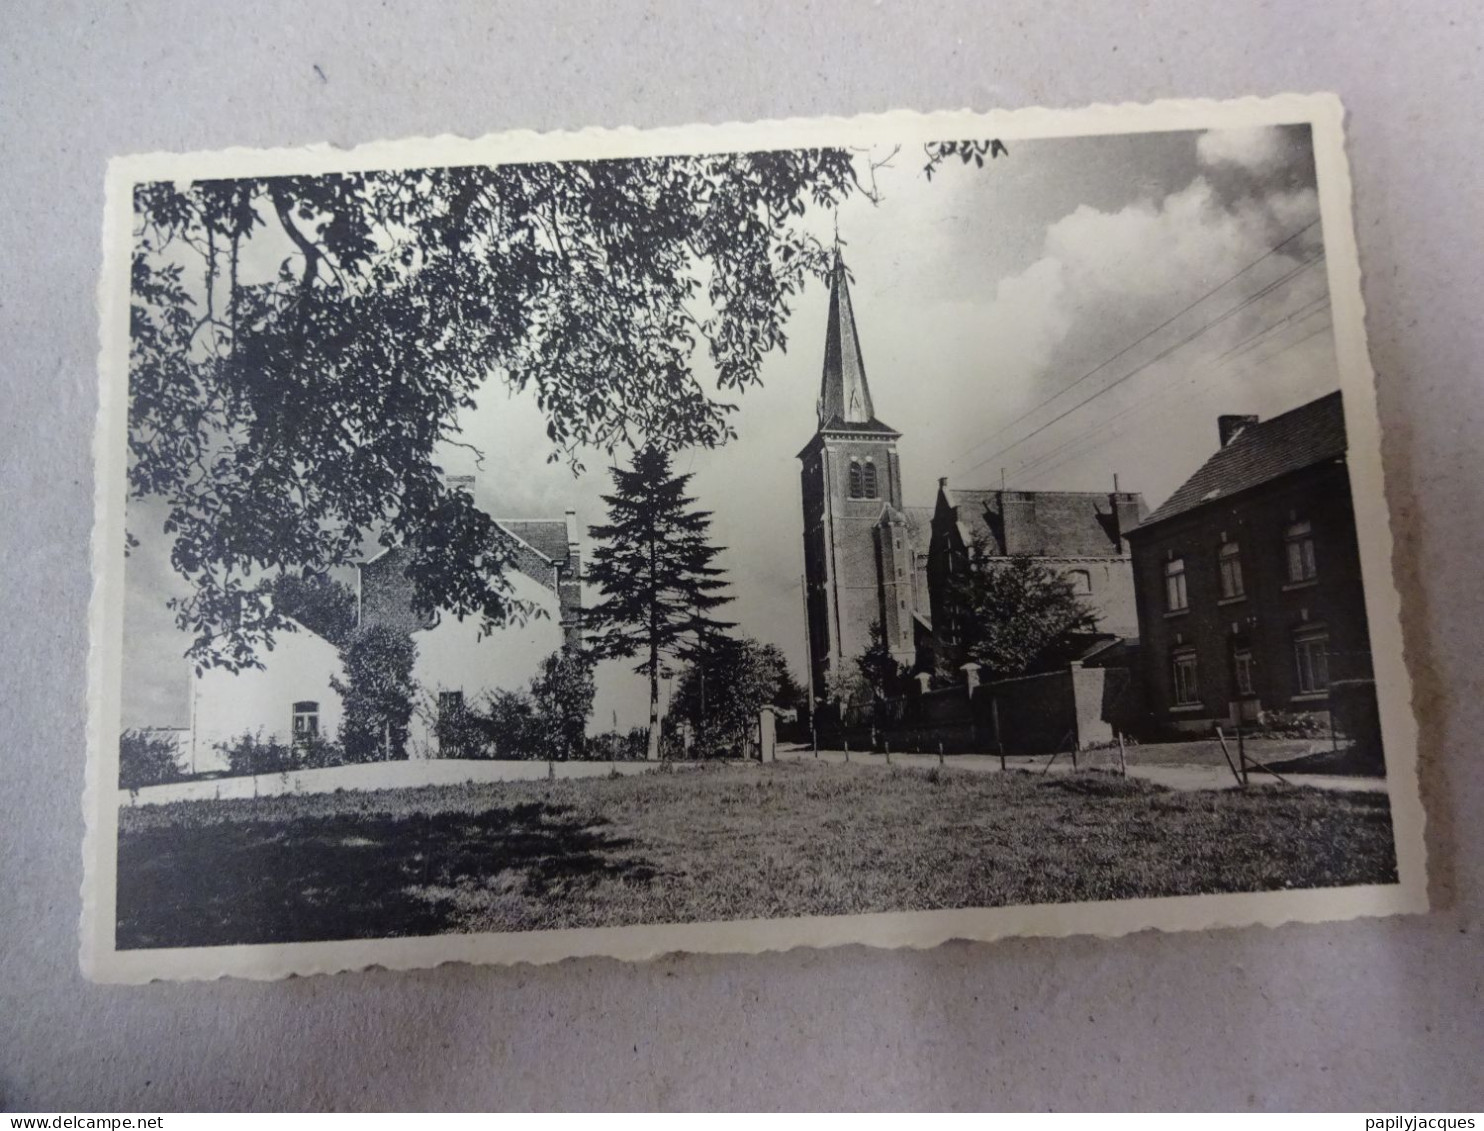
1247, 579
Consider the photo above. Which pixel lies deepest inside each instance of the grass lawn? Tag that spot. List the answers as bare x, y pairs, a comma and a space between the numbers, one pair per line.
714, 843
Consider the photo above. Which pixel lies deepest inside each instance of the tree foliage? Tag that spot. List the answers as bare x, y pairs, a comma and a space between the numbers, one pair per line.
1009, 612
562, 695
301, 347
376, 693
321, 604
652, 563
147, 759
884, 674
511, 727
726, 683
977, 151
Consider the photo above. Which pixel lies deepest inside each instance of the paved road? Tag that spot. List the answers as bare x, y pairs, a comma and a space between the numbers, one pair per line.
1172, 776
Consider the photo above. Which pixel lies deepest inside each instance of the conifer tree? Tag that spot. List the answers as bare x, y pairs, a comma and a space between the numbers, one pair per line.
653, 566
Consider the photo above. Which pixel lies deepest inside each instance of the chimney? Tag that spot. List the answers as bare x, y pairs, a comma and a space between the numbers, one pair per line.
569, 588
1128, 512
1229, 424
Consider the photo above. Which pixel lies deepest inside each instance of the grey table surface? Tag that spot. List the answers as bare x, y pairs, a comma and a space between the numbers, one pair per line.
1366, 1015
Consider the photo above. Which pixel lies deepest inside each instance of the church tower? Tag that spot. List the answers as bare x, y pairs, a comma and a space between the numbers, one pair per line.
857, 549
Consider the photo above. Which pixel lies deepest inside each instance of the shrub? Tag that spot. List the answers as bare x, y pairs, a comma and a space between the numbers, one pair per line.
562, 697
510, 726
1290, 724
250, 753
377, 692
146, 759
619, 746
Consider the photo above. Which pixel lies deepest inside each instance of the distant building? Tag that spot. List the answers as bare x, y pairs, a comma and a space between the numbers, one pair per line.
291, 697
1082, 535
871, 558
1248, 578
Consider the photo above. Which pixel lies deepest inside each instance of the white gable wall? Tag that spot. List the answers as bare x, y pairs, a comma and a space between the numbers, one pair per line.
451, 656
224, 706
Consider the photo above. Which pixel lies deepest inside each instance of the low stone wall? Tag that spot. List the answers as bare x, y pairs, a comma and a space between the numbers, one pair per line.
1034, 714
374, 775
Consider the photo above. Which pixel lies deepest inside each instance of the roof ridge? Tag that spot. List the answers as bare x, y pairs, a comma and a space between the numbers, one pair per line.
1301, 437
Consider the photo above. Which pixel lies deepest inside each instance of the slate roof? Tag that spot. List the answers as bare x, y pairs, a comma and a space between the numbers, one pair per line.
1311, 434
1052, 524
547, 537
872, 426
843, 391
920, 526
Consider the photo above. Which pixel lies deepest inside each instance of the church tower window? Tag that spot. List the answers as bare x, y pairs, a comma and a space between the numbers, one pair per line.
857, 480
869, 477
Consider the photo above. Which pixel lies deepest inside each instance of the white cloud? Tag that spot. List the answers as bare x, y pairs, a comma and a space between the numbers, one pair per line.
1257, 149
1104, 279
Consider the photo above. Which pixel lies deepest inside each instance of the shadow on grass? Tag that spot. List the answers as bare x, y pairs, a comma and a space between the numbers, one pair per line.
348, 875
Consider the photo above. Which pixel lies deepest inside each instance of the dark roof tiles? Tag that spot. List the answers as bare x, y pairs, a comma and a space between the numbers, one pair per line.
1064, 524
1311, 434
547, 537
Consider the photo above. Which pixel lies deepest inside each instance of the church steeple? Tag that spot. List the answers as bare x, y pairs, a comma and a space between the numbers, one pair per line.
858, 564
844, 396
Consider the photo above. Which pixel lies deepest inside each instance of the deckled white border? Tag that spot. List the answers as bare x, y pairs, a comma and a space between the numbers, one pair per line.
101, 962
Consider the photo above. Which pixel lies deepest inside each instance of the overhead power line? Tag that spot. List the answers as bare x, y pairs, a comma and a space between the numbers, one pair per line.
1164, 353
1049, 462
1274, 250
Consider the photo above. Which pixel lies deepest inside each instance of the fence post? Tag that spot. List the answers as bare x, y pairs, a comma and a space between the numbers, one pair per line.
1241, 752
1122, 764
940, 752
1232, 766
767, 734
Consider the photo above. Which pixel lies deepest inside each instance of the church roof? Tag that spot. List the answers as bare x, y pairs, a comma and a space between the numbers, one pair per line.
920, 526
844, 396
1053, 524
1312, 433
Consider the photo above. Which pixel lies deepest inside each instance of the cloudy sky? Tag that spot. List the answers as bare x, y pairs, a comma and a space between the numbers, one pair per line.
1079, 308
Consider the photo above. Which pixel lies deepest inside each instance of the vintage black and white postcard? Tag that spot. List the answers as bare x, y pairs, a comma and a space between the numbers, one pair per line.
882, 530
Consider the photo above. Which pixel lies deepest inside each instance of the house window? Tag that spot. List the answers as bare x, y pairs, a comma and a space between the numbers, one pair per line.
1230, 558
450, 719
1187, 687
857, 480
1242, 670
306, 722
1300, 541
869, 476
1311, 654
1176, 598
1080, 580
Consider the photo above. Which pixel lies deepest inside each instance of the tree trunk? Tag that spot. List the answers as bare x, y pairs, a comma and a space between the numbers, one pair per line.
653, 752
